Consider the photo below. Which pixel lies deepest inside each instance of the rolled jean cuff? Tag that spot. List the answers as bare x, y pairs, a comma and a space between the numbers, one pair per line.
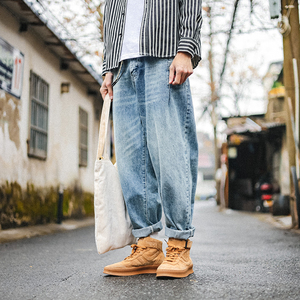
179, 234
143, 232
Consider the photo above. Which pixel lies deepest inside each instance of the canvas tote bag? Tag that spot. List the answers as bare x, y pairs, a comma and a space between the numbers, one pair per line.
112, 224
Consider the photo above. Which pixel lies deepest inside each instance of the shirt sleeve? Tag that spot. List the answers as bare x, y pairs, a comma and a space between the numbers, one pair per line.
104, 69
190, 31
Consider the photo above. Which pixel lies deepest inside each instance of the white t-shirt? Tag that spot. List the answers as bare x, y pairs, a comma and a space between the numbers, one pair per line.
134, 16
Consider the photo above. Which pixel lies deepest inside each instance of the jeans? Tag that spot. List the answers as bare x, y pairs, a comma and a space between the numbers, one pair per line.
156, 147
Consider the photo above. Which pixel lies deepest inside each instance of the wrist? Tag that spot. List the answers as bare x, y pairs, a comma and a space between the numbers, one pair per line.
186, 54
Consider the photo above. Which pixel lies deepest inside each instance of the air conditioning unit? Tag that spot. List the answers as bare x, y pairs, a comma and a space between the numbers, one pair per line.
275, 7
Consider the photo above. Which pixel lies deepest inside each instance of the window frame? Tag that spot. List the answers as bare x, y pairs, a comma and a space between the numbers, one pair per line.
38, 117
83, 127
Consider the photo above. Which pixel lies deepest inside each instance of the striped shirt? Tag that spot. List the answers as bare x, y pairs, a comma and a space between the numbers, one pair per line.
168, 27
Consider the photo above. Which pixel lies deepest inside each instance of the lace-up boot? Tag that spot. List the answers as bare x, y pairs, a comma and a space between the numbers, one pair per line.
145, 258
177, 262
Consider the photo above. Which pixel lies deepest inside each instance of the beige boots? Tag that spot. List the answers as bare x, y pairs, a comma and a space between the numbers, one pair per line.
147, 257
177, 262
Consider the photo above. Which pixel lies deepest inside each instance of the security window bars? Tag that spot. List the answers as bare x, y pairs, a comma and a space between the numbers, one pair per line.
39, 94
83, 138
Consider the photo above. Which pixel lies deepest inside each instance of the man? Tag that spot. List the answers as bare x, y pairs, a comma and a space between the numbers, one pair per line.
151, 48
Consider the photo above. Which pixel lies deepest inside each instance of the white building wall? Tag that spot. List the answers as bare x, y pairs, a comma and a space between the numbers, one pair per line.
62, 163
284, 168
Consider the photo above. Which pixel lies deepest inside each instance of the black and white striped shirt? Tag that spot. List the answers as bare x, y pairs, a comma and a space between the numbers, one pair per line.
168, 26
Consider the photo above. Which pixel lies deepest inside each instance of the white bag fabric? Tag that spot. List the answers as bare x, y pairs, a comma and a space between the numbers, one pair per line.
113, 228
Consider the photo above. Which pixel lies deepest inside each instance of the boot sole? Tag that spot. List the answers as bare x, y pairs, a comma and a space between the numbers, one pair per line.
175, 273
132, 271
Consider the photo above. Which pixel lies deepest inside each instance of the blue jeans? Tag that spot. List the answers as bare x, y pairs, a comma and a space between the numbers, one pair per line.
156, 147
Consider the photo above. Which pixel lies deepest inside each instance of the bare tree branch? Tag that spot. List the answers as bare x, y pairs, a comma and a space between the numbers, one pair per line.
228, 43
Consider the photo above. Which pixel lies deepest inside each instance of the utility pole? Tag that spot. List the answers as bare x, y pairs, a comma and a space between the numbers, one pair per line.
213, 98
289, 11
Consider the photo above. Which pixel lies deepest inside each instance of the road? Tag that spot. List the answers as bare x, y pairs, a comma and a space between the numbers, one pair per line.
236, 256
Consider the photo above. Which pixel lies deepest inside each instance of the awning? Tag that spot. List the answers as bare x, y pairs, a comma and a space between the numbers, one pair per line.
244, 125
28, 17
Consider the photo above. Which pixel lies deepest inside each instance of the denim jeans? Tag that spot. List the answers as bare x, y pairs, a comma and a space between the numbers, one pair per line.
156, 147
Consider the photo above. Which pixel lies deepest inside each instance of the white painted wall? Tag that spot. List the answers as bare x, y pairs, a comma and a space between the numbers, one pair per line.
62, 163
284, 168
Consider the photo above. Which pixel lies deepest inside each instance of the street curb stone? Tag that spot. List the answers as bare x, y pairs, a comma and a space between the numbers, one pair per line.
9, 235
281, 222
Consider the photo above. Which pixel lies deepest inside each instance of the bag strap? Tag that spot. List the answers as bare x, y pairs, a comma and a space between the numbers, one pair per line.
103, 126
105, 117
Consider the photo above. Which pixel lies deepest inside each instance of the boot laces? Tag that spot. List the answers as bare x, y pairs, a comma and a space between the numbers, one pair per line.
173, 253
135, 250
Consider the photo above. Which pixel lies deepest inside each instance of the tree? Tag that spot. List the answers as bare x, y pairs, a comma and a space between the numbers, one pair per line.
79, 23
231, 79
230, 22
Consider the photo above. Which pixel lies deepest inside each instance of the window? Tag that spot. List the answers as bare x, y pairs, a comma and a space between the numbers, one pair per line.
83, 138
39, 95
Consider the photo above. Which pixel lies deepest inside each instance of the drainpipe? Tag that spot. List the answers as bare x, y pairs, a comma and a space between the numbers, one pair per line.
295, 69
296, 82
60, 204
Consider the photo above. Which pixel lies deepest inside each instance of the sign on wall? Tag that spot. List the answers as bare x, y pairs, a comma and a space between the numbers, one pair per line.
275, 7
11, 69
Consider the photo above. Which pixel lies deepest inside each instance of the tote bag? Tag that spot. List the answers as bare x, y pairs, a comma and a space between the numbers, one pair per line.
113, 228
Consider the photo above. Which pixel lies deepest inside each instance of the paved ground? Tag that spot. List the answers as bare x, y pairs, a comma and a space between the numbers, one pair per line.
236, 256
10, 235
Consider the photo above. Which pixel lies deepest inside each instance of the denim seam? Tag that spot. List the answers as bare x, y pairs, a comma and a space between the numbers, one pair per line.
133, 70
144, 148
187, 118
144, 169
145, 175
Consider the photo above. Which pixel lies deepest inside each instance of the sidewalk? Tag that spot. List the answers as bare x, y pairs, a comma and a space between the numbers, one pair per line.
10, 235
282, 222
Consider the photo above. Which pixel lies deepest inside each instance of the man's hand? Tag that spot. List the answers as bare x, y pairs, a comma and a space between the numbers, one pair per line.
181, 68
107, 86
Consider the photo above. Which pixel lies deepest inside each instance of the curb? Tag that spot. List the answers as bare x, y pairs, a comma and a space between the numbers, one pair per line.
282, 222
9, 235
